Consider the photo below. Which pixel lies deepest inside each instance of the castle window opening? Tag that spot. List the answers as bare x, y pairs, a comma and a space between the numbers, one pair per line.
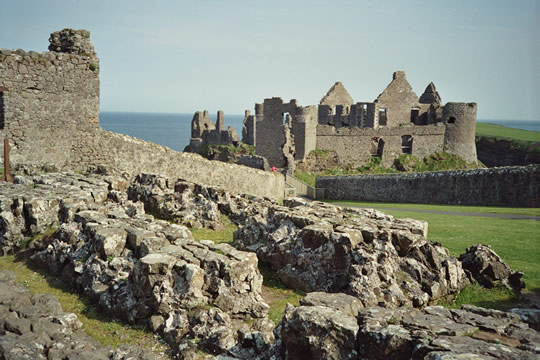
415, 113
406, 144
452, 120
284, 115
377, 146
382, 117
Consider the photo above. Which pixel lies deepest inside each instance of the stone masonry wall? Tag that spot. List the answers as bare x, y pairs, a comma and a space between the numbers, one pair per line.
398, 98
124, 153
49, 96
49, 104
508, 186
353, 145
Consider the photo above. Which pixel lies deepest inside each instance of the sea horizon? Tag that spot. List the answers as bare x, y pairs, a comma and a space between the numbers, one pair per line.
174, 129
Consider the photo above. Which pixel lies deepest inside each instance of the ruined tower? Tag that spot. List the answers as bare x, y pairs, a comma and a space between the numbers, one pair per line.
460, 120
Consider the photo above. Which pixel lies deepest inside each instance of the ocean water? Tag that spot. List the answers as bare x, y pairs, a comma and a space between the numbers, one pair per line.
174, 130
171, 130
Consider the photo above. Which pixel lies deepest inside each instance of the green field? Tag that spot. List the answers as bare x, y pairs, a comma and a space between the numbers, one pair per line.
517, 242
499, 131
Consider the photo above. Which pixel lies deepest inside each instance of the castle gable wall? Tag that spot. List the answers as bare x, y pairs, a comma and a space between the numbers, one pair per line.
398, 99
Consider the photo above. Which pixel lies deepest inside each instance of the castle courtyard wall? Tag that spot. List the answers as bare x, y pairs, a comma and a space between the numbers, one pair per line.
505, 186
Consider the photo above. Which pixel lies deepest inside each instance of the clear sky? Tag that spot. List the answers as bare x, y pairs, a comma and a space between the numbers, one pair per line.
184, 56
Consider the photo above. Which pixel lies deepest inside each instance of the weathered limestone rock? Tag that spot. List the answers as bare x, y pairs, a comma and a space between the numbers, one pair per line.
35, 327
403, 333
367, 254
318, 332
136, 267
489, 269
201, 295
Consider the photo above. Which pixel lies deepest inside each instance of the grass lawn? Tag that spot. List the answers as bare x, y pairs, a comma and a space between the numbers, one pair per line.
105, 330
517, 242
450, 208
499, 131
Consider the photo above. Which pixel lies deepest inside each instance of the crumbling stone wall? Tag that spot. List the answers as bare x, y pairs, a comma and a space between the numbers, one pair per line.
48, 96
304, 130
270, 134
354, 146
337, 95
398, 99
50, 113
507, 186
460, 120
204, 131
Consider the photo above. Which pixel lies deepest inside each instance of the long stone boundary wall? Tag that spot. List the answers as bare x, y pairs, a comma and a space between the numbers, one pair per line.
507, 186
123, 153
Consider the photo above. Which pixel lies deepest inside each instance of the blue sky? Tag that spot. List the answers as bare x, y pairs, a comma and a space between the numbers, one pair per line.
184, 56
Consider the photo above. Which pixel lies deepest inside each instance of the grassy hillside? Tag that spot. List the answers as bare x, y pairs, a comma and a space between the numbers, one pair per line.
499, 131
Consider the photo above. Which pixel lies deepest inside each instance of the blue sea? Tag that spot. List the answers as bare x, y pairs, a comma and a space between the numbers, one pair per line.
171, 130
174, 130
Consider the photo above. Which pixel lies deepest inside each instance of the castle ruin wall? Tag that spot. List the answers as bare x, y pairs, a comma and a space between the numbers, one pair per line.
50, 113
460, 120
354, 146
270, 133
398, 99
45, 98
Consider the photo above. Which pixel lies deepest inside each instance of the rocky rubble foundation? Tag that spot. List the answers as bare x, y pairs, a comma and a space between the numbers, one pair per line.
316, 246
97, 234
35, 327
333, 326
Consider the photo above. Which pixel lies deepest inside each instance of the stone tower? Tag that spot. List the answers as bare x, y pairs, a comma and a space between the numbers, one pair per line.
460, 121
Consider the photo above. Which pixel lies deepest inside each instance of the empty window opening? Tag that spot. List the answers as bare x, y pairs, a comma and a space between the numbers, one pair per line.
451, 120
415, 113
2, 119
406, 144
382, 117
377, 146
284, 115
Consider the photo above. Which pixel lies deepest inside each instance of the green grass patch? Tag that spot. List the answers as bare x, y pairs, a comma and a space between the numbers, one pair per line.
306, 176
223, 235
499, 131
319, 152
25, 242
276, 294
105, 330
499, 298
210, 150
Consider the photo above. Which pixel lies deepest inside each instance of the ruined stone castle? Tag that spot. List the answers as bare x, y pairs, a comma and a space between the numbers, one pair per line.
49, 111
397, 122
